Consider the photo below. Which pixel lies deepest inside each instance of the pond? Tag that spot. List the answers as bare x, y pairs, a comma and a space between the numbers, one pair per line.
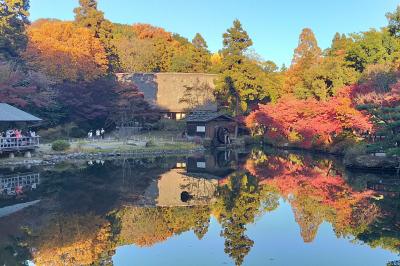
258, 207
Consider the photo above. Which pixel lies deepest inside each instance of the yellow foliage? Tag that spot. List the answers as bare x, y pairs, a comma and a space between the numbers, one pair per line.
216, 59
73, 240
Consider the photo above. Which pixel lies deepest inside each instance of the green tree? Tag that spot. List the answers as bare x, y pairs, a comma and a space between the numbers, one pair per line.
136, 55
13, 20
269, 66
236, 41
242, 80
187, 57
87, 15
394, 22
201, 56
338, 46
199, 42
372, 47
239, 203
323, 80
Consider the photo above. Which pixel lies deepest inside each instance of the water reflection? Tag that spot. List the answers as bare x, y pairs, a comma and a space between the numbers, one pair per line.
84, 212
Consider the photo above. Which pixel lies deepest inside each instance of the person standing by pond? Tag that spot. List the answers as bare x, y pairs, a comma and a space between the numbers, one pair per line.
97, 133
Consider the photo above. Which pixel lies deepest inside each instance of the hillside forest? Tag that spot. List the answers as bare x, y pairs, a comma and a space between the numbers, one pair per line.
64, 72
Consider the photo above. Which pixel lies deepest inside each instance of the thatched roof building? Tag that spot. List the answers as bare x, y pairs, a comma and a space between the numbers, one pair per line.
175, 93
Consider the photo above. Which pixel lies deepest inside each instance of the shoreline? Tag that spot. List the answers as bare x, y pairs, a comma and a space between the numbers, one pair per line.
361, 162
56, 158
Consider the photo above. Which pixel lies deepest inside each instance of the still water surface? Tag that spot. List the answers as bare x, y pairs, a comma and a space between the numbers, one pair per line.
262, 207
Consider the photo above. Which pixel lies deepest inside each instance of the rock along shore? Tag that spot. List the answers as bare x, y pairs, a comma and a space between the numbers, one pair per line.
52, 159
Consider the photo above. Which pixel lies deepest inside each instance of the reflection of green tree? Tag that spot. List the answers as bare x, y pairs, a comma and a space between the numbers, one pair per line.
384, 232
239, 203
393, 263
16, 253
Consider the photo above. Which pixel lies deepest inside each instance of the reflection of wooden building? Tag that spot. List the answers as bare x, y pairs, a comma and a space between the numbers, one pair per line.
166, 90
217, 165
211, 125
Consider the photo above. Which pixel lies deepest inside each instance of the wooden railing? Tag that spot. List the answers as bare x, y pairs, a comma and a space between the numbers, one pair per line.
18, 144
9, 185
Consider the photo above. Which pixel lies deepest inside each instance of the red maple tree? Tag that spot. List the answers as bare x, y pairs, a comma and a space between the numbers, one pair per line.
309, 122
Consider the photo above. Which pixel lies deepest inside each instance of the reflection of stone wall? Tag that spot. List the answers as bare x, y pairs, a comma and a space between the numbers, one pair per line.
172, 184
146, 226
166, 89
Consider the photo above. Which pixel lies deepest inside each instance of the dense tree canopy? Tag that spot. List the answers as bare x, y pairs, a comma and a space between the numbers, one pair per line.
306, 55
309, 123
74, 56
199, 42
88, 16
13, 20
242, 80
65, 51
394, 22
372, 47
145, 48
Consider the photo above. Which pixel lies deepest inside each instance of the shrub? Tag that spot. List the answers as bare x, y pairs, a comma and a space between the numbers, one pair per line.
150, 143
170, 125
354, 151
62, 131
394, 151
60, 145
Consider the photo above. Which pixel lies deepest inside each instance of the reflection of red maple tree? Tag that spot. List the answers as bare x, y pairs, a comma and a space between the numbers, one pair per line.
316, 192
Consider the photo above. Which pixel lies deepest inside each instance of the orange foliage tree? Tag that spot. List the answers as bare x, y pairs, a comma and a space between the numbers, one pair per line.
65, 51
147, 31
306, 55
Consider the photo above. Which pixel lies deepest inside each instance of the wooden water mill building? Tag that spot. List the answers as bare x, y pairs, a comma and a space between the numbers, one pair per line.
218, 127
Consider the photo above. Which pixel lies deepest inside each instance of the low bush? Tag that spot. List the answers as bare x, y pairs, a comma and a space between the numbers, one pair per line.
170, 125
150, 143
394, 151
355, 150
69, 130
60, 145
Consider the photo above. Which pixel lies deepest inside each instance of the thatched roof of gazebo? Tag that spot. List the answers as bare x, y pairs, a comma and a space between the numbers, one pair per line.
10, 113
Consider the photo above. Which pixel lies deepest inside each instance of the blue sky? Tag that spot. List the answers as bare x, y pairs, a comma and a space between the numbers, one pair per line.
274, 25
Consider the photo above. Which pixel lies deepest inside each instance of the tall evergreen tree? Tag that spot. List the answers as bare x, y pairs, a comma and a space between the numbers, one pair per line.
306, 55
236, 41
87, 15
241, 81
13, 19
307, 52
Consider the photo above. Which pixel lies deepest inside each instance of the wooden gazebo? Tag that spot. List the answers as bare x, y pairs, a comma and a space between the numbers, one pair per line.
11, 117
